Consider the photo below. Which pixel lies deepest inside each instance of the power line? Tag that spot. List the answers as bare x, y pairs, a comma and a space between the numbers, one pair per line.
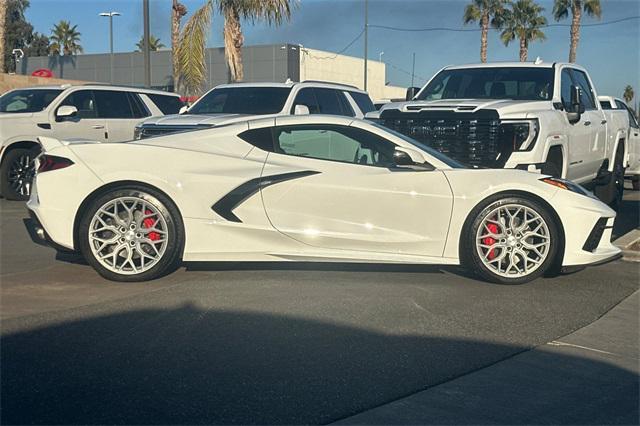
335, 55
465, 30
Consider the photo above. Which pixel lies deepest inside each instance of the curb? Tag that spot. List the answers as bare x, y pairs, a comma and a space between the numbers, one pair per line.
629, 243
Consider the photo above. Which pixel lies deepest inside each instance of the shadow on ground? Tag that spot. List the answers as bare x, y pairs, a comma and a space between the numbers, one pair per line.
189, 366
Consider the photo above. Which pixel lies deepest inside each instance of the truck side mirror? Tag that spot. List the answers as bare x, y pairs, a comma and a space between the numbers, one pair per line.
411, 93
301, 110
577, 108
65, 112
183, 109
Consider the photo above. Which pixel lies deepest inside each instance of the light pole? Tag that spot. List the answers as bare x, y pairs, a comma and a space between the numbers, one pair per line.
380, 56
110, 15
147, 47
366, 40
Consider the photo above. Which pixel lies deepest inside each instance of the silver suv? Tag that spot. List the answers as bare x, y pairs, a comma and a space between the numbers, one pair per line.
231, 101
97, 112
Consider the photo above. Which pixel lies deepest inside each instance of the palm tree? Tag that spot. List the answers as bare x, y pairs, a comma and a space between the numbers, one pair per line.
486, 13
65, 39
628, 94
3, 16
523, 21
178, 10
154, 43
191, 48
561, 10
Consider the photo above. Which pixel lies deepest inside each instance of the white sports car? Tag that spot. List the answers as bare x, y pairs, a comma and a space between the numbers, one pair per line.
307, 188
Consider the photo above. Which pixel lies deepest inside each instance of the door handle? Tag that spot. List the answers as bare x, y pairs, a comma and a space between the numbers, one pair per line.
587, 123
98, 126
603, 122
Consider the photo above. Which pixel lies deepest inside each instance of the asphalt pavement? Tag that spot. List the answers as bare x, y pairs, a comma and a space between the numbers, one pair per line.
265, 343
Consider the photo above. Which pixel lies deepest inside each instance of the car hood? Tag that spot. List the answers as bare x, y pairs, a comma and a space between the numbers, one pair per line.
503, 106
192, 119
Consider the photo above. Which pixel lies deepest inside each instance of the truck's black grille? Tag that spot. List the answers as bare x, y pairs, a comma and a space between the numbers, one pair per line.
466, 137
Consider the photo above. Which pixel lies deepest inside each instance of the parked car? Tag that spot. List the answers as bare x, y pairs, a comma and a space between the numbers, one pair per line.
99, 112
247, 99
533, 116
307, 188
633, 165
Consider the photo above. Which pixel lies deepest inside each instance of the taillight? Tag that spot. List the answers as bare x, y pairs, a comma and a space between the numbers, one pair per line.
51, 162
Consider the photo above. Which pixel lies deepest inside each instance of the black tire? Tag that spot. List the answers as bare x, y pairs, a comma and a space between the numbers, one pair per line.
612, 192
13, 160
170, 258
635, 183
469, 253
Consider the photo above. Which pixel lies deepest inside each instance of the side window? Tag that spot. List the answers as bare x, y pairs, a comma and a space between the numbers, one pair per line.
112, 104
137, 106
261, 138
620, 105
605, 105
306, 97
84, 102
328, 102
334, 143
363, 101
587, 98
166, 104
565, 89
344, 103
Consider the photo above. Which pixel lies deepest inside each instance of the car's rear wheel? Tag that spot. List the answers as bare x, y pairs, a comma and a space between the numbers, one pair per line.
512, 240
131, 234
18, 168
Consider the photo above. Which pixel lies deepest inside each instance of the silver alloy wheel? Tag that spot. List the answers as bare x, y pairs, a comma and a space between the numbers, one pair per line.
21, 173
128, 235
513, 240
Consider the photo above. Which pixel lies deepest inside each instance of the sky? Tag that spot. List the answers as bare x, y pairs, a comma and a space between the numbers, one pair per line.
611, 53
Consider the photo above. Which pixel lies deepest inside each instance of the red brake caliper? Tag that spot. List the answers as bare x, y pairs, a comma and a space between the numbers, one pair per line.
149, 223
493, 228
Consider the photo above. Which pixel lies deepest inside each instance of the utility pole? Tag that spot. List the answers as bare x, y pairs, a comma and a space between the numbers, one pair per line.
366, 40
110, 15
413, 69
146, 49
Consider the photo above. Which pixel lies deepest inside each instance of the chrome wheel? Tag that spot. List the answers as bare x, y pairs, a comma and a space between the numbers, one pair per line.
513, 240
128, 235
21, 173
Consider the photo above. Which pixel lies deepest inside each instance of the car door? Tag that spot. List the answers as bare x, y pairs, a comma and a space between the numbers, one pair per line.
85, 124
634, 137
337, 189
580, 135
121, 111
595, 124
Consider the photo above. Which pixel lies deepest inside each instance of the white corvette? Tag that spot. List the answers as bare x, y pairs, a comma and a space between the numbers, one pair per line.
307, 188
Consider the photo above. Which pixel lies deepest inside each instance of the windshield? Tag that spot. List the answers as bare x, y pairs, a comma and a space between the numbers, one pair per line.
436, 154
534, 84
242, 100
27, 100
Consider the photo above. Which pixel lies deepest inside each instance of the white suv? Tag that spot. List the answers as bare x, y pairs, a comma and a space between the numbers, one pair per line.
236, 101
97, 112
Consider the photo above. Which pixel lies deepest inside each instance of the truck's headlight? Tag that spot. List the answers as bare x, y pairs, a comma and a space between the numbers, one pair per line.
518, 135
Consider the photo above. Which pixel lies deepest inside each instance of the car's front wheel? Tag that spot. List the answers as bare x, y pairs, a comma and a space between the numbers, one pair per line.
131, 234
511, 240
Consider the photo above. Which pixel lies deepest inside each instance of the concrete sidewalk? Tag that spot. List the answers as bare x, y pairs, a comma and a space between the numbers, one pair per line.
587, 377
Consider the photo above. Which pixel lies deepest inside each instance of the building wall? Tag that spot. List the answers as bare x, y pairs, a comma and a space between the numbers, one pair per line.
321, 65
261, 64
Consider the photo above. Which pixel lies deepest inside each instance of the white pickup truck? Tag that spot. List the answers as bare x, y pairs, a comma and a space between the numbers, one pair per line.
533, 116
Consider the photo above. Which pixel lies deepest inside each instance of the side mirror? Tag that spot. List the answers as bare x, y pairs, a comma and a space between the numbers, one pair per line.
576, 105
411, 93
372, 115
410, 158
301, 110
66, 111
183, 109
